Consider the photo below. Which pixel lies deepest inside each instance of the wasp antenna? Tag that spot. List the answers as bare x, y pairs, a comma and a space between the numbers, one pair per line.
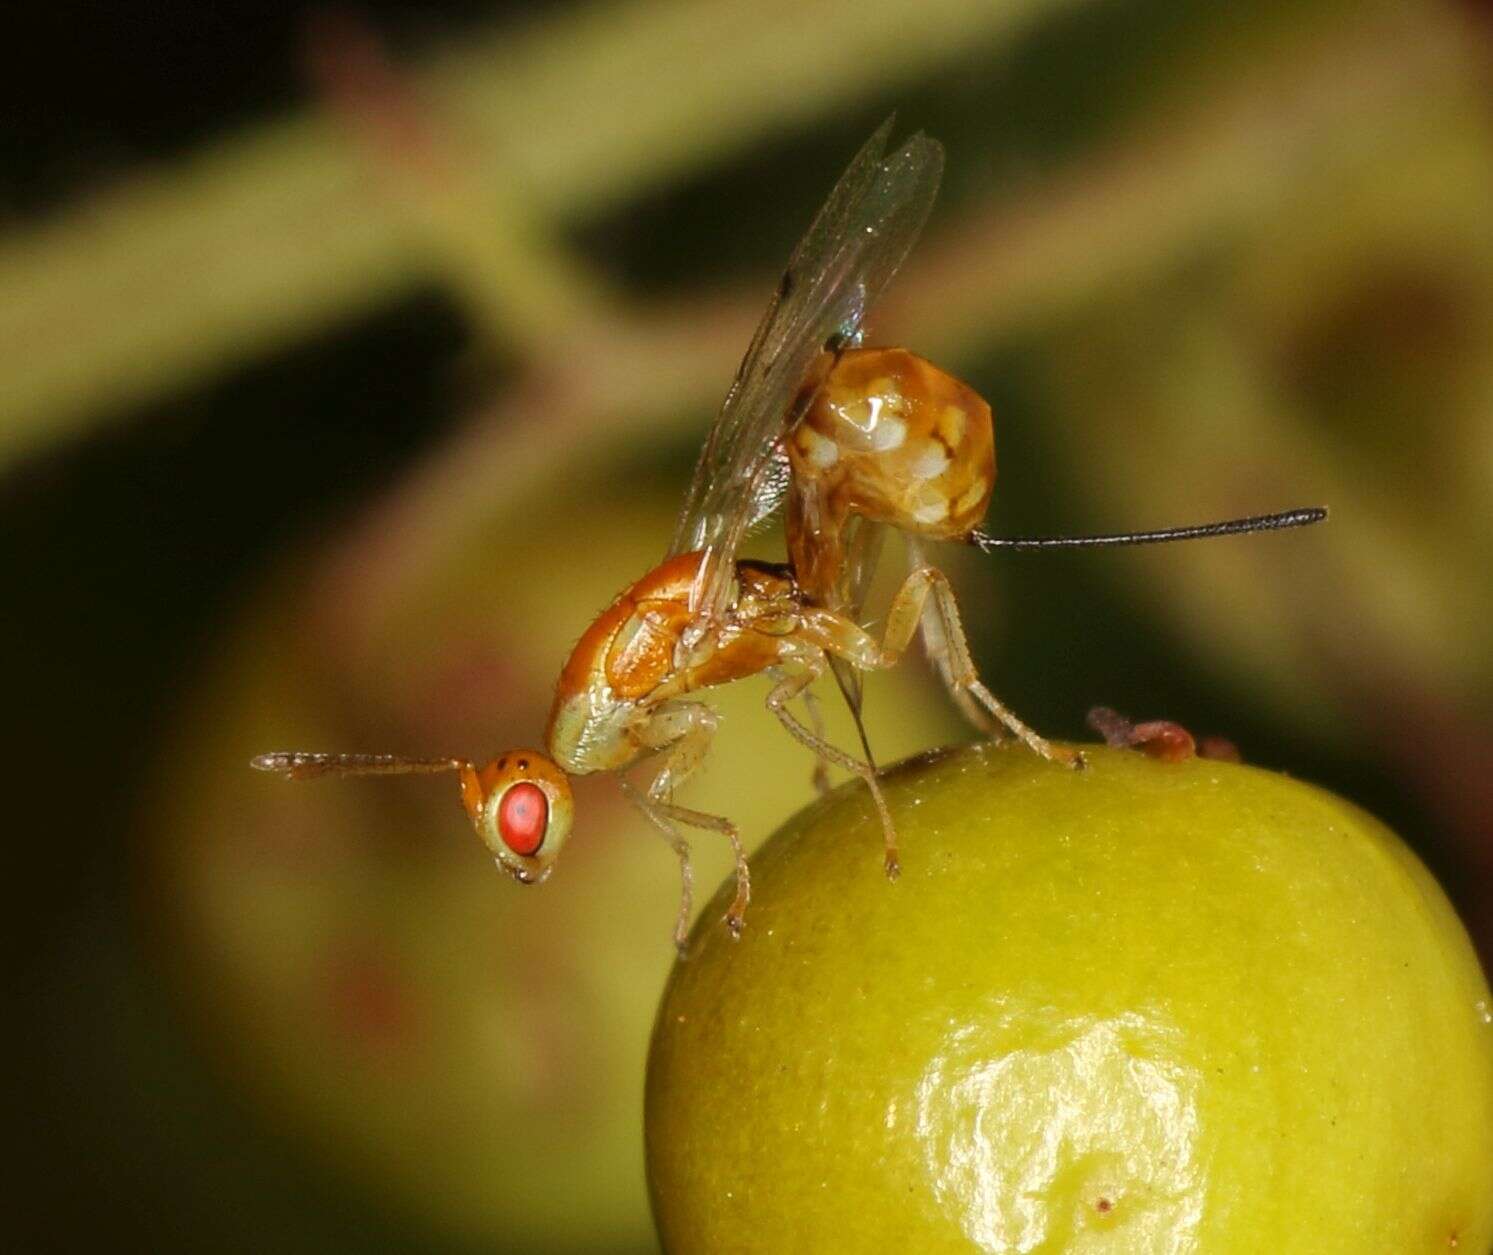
295, 765
1302, 517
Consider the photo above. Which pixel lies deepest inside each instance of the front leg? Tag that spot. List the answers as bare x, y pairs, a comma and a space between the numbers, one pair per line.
682, 731
680, 846
807, 670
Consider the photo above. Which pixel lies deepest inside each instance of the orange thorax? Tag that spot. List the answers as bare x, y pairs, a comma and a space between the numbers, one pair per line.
627, 663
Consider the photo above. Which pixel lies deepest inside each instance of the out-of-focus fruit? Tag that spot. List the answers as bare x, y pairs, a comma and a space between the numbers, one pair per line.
1144, 1008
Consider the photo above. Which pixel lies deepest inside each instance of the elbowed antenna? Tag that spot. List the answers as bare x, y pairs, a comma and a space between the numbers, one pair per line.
1227, 527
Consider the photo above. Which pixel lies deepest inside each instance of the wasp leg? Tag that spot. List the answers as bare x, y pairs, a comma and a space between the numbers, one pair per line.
682, 731
680, 847
955, 663
939, 652
816, 722
789, 687
942, 655
735, 917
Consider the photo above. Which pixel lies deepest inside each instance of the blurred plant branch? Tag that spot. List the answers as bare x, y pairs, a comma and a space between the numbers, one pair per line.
272, 234
1173, 185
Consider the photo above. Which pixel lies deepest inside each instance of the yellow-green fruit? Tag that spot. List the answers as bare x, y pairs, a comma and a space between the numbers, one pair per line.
1152, 1008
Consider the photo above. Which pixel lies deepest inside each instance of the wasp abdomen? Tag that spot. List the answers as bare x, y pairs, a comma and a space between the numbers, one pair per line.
891, 438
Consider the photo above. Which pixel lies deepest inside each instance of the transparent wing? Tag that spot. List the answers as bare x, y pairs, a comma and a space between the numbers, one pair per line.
839, 269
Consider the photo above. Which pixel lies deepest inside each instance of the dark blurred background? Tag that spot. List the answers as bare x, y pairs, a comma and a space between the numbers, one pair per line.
350, 360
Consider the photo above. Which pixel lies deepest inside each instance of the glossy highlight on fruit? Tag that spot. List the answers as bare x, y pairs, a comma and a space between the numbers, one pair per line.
1150, 1007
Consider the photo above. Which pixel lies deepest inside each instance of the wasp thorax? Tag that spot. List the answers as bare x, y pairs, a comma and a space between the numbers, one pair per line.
521, 807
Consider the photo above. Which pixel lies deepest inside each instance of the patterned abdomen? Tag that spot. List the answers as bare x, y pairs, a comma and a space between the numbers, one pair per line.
891, 438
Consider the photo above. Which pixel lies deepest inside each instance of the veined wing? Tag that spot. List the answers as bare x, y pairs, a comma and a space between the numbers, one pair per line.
839, 269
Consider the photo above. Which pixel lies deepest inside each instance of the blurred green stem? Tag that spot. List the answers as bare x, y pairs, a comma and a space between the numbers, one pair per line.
272, 234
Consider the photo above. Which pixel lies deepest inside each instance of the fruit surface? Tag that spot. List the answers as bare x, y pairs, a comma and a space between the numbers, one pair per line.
1148, 1007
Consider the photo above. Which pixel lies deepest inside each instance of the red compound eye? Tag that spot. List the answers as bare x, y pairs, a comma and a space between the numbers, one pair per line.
523, 816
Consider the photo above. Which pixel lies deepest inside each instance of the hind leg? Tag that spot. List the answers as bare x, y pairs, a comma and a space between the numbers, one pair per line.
940, 654
949, 649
